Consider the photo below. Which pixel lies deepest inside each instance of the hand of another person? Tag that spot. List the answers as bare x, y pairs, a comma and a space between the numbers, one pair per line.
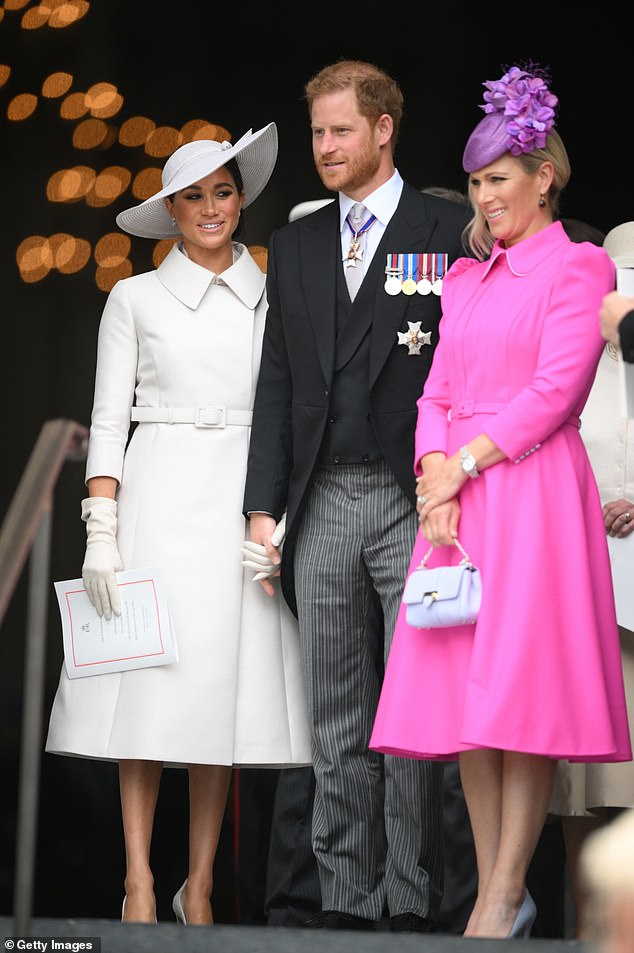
261, 550
613, 309
618, 516
102, 559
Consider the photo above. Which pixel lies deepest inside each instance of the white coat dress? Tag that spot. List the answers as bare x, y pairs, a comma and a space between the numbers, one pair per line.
183, 337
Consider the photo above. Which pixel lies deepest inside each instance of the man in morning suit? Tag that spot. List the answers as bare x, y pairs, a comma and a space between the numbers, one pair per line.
347, 348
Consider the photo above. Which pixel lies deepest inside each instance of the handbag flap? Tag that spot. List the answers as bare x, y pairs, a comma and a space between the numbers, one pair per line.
444, 581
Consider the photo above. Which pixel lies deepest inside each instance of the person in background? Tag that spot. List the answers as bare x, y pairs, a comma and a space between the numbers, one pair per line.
607, 871
587, 796
616, 315
178, 352
617, 323
502, 469
347, 347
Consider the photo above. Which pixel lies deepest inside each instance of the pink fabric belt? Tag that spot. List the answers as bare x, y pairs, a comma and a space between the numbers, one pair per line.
467, 408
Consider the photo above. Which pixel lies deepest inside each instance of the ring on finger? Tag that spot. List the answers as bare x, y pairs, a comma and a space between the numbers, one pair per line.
626, 517
421, 499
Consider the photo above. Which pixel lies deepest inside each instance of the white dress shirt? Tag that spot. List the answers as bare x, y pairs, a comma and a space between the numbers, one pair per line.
381, 203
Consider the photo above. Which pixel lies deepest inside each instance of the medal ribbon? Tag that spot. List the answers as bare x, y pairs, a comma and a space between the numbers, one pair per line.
440, 268
394, 264
412, 265
364, 228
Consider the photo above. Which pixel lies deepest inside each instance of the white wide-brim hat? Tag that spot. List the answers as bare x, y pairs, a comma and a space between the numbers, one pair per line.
619, 244
255, 153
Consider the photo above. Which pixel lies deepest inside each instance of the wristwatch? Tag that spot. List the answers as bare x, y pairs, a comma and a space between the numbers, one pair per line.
468, 463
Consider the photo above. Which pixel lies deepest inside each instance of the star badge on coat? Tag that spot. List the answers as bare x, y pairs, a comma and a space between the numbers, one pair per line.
414, 338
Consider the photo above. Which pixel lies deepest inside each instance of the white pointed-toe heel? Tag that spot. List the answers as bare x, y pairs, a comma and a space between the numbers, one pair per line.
177, 904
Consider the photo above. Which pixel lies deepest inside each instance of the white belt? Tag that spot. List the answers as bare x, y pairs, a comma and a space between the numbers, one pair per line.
198, 416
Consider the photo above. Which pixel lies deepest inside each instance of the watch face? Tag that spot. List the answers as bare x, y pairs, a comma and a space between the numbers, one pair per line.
469, 464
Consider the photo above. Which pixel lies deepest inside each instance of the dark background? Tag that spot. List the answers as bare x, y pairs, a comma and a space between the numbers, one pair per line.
239, 66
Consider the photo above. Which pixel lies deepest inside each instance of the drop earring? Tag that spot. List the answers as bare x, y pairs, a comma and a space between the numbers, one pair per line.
542, 201
174, 223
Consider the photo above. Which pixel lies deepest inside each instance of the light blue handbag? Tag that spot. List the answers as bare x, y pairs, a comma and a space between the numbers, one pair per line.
443, 596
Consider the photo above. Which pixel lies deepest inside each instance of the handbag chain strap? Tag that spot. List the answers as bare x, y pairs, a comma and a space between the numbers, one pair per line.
465, 558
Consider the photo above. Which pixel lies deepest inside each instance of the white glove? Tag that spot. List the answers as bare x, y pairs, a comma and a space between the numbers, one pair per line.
102, 557
256, 556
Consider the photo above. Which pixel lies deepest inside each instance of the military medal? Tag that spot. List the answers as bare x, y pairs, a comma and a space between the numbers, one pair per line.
440, 271
355, 252
414, 338
393, 270
354, 255
408, 286
423, 286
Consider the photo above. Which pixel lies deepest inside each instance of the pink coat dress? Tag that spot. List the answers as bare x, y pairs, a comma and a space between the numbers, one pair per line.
540, 671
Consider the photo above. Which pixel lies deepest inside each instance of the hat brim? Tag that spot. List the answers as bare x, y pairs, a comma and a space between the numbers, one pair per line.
305, 208
619, 244
255, 154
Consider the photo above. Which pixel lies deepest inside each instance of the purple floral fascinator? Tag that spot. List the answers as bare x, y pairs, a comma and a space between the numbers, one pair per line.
520, 113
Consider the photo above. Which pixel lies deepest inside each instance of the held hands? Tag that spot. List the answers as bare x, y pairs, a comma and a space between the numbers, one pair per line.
102, 557
264, 558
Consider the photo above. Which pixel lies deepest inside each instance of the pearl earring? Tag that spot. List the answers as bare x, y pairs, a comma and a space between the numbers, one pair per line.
542, 201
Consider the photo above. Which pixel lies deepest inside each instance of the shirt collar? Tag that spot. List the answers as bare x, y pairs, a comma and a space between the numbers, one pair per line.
188, 281
527, 255
381, 203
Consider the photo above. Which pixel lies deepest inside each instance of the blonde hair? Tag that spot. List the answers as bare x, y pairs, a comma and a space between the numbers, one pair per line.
477, 234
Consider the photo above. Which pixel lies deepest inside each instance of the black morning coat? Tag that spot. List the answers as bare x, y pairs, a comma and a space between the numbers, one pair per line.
298, 357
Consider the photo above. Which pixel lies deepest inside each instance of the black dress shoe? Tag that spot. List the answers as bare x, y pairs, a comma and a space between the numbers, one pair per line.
410, 923
334, 920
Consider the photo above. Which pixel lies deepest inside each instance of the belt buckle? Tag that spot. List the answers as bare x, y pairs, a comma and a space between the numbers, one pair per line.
465, 409
206, 424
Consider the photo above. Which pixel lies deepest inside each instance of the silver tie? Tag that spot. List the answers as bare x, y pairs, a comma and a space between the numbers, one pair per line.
353, 264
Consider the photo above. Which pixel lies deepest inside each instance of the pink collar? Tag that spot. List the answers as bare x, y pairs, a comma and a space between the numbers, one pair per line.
529, 254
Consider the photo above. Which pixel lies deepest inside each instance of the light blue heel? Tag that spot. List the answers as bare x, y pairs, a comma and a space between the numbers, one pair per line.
525, 918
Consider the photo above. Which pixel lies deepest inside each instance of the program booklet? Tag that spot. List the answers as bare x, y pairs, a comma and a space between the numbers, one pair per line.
138, 638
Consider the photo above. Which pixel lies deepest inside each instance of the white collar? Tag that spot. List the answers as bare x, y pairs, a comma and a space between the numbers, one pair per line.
188, 281
381, 203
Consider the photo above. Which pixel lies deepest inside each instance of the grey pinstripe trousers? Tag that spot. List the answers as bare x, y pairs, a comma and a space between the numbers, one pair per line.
377, 823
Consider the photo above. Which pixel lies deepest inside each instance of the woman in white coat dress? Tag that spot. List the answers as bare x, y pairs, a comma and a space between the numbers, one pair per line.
179, 352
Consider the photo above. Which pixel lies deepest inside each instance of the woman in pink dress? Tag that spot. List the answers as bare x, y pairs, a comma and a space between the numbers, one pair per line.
501, 465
